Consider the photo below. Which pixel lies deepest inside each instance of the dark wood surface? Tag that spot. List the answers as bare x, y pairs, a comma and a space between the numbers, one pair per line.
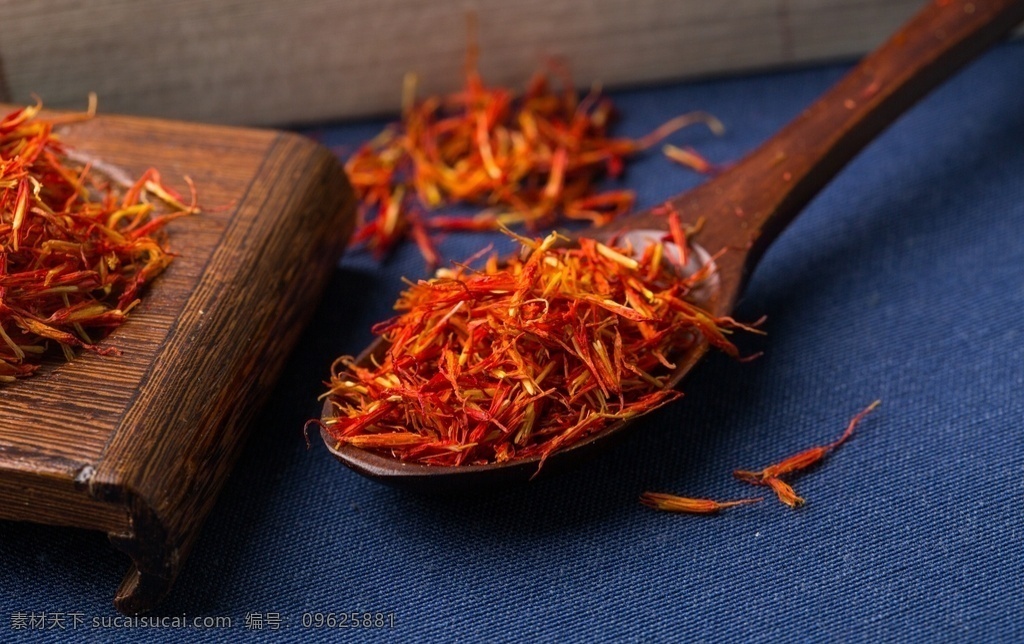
139, 444
5, 91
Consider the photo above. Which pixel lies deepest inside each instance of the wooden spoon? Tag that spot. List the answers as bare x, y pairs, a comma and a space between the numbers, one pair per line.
746, 207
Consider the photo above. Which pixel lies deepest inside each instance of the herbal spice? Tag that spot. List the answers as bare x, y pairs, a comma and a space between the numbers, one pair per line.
525, 359
685, 505
771, 476
690, 158
530, 160
74, 252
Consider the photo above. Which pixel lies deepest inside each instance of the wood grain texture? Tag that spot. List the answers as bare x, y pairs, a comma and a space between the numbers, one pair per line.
139, 444
5, 90
269, 61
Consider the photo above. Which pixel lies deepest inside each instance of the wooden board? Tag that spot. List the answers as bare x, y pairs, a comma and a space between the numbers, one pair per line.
138, 445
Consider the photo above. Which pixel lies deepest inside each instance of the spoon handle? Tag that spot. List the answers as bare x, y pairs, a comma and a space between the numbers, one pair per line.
747, 206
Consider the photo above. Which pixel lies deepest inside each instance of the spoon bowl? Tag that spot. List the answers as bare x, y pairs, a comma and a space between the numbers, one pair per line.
745, 208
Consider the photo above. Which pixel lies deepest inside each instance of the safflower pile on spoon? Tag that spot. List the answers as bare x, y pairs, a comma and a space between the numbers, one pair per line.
520, 360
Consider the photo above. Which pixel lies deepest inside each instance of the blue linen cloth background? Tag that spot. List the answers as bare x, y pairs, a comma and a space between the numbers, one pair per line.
903, 281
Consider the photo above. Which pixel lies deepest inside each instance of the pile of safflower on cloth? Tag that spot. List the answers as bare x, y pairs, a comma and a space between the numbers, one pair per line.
531, 159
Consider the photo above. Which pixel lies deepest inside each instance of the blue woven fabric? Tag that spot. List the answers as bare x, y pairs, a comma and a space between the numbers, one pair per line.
903, 281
